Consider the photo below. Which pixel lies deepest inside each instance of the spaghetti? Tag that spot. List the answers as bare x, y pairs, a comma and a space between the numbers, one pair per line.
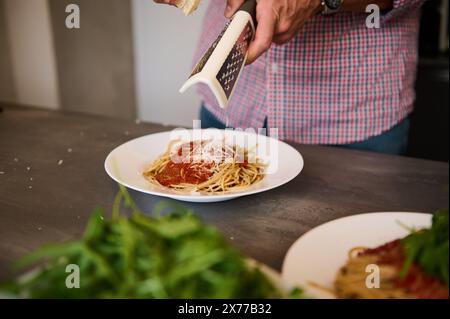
205, 167
351, 279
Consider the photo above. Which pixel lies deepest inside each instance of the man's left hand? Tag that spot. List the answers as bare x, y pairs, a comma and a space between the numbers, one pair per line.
278, 21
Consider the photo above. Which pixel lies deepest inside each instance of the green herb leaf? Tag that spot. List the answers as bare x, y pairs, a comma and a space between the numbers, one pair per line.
170, 256
429, 248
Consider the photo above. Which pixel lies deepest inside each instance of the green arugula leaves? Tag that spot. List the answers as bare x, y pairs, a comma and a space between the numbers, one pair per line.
170, 256
429, 248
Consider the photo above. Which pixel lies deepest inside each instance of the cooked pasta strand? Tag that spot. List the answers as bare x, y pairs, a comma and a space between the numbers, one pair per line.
226, 176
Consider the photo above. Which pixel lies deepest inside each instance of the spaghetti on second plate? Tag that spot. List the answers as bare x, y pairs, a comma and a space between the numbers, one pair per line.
412, 267
205, 167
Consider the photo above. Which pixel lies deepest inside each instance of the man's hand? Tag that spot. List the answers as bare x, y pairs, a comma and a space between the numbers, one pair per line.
278, 21
171, 2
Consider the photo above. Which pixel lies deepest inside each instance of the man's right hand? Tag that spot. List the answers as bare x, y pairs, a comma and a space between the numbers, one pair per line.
170, 2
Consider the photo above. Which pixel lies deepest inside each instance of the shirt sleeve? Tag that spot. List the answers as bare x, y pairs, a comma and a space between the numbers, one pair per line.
402, 7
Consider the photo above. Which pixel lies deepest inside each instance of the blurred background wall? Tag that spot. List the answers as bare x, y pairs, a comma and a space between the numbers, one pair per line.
7, 90
95, 62
429, 134
128, 59
164, 42
29, 40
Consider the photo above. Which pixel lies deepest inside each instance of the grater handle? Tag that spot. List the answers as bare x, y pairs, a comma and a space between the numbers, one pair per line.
249, 6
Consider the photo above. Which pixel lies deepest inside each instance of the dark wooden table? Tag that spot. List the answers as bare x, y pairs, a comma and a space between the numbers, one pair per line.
51, 177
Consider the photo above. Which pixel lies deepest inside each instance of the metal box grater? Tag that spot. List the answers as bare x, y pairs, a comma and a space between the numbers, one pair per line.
222, 64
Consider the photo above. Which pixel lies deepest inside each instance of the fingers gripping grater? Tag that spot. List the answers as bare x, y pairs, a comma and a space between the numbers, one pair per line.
222, 64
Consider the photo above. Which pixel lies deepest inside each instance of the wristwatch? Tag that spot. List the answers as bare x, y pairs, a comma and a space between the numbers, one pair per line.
331, 6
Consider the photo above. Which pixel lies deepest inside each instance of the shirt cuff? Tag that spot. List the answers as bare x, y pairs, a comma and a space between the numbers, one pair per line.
401, 7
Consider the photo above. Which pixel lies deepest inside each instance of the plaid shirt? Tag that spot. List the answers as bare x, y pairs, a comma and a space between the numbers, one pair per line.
336, 82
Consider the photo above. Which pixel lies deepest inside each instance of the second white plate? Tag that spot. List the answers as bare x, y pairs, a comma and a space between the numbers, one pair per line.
317, 256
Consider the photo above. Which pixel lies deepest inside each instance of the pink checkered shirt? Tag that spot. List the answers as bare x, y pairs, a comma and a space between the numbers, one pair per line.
336, 82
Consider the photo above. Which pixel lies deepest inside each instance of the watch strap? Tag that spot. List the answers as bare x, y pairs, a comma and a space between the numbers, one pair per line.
327, 10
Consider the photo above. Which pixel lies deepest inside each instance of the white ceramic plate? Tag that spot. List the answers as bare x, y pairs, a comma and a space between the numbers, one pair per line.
126, 163
318, 255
